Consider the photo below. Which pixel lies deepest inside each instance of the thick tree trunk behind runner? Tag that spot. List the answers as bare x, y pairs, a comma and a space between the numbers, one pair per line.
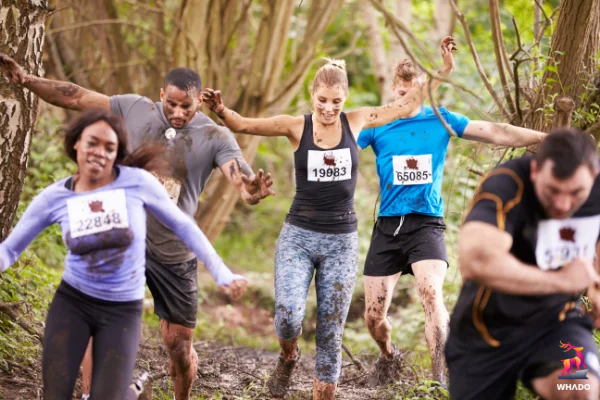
575, 44
21, 37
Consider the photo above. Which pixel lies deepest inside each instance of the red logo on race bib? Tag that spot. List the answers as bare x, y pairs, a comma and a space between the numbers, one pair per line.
412, 163
329, 159
567, 234
96, 206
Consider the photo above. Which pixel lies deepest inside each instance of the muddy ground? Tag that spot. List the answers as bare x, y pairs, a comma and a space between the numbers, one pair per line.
237, 372
233, 372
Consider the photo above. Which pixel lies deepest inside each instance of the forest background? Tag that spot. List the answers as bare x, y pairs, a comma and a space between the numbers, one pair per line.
531, 63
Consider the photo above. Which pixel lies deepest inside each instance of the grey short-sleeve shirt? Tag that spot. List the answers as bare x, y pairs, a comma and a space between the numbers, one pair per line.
192, 154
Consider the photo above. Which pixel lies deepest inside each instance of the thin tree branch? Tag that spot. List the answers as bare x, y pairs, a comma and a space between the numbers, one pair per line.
445, 124
400, 25
516, 64
320, 16
475, 171
356, 361
482, 74
10, 310
107, 22
349, 49
175, 21
110, 66
393, 23
235, 26
498, 41
51, 13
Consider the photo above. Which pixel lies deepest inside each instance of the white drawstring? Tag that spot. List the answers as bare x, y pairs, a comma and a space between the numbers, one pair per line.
399, 226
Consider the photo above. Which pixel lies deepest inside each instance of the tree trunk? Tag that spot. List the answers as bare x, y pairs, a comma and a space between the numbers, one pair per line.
575, 43
21, 37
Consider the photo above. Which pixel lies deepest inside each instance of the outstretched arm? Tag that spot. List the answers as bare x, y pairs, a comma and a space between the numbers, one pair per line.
502, 134
280, 125
57, 93
372, 117
157, 200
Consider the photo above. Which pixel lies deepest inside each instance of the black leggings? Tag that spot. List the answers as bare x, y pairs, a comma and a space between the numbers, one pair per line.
73, 318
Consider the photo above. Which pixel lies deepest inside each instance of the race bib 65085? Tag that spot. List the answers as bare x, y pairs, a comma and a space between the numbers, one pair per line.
329, 165
412, 170
97, 212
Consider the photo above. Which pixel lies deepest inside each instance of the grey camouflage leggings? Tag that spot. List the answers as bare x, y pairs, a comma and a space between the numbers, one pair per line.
334, 257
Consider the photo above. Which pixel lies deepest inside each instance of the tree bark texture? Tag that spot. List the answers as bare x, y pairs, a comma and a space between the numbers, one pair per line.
575, 43
21, 37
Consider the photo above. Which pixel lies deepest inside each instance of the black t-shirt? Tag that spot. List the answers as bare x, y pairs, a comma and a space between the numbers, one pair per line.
506, 199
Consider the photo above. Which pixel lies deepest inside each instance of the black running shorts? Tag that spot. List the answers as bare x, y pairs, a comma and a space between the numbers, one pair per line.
174, 288
479, 371
397, 243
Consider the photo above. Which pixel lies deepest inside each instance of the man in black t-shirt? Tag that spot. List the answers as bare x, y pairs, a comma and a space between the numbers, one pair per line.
526, 254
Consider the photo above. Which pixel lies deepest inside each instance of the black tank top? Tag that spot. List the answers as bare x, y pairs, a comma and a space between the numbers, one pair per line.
325, 183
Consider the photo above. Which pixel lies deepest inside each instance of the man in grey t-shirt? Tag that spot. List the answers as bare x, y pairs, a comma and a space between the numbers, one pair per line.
194, 146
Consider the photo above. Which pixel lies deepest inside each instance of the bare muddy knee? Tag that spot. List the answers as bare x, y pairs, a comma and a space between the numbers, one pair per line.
184, 360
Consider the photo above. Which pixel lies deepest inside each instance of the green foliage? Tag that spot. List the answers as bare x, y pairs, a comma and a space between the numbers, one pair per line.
28, 282
47, 164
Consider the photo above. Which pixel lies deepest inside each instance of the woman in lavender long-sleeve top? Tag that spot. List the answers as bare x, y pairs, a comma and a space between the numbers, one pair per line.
102, 213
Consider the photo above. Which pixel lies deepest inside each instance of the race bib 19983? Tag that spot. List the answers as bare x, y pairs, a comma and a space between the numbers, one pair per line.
329, 165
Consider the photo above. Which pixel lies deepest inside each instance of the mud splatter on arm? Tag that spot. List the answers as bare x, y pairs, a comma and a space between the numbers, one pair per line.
66, 94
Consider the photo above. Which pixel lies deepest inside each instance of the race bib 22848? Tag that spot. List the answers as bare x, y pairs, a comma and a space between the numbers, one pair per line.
97, 212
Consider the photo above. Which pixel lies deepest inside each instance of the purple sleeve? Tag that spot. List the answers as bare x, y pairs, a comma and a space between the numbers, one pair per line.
157, 200
34, 220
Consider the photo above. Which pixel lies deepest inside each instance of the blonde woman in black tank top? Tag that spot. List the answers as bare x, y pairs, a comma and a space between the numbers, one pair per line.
319, 236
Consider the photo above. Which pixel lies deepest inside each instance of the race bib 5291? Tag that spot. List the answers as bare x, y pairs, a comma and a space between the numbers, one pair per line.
561, 241
97, 212
329, 165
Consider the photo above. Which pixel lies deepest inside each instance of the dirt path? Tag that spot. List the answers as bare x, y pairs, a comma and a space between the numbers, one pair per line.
233, 372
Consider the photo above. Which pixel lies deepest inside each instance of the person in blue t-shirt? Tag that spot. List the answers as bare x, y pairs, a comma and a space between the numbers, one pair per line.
408, 236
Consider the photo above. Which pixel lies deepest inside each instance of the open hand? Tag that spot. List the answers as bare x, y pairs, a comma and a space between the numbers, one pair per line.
235, 289
212, 98
448, 46
258, 187
13, 71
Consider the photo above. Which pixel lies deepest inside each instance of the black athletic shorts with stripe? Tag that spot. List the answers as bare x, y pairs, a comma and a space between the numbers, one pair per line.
398, 242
